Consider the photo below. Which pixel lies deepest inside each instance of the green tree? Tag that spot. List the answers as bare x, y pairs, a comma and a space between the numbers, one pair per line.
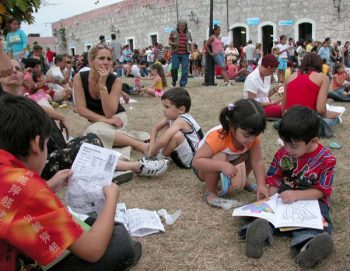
19, 9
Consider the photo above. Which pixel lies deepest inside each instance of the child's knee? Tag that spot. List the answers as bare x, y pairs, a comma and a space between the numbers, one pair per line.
178, 138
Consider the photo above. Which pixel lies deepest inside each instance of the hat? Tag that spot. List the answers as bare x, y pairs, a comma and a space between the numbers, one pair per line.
269, 61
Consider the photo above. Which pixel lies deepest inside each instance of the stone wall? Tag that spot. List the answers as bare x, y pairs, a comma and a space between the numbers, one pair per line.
138, 19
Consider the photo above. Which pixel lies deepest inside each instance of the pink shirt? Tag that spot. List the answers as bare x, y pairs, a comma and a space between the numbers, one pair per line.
217, 46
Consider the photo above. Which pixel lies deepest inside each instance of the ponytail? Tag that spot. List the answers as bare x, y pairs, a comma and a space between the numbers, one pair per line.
246, 114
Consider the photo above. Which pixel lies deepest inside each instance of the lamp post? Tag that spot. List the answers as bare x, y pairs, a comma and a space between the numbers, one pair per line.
209, 61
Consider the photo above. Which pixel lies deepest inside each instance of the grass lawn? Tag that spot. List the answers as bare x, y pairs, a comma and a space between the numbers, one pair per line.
205, 238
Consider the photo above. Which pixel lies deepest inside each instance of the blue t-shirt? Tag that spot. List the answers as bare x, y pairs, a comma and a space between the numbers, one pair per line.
16, 41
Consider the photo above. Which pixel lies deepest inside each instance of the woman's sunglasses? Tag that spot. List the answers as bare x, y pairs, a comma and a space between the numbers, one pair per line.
104, 46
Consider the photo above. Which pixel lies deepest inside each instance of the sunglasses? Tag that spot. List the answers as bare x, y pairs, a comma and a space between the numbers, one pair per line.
104, 46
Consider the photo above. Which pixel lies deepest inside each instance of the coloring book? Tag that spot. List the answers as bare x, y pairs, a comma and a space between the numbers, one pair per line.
300, 214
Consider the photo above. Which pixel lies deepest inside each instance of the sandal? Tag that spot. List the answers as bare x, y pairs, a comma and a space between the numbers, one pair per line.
225, 204
335, 145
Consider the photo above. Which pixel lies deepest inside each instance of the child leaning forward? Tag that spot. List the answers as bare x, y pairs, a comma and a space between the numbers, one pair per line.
301, 170
233, 142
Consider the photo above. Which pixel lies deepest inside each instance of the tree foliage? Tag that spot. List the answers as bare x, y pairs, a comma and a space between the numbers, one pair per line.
19, 9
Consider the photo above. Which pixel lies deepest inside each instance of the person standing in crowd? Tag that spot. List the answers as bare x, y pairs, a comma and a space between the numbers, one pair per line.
325, 52
215, 47
249, 51
49, 56
282, 52
345, 52
16, 40
116, 48
180, 41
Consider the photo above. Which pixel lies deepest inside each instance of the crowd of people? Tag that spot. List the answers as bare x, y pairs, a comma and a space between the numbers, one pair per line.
35, 160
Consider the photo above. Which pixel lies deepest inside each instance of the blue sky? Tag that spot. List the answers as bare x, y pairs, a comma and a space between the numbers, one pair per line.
60, 9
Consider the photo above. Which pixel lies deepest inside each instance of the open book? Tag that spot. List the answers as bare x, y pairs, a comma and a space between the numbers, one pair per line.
300, 214
139, 222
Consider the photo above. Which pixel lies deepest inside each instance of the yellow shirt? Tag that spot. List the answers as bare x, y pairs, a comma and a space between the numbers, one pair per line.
326, 69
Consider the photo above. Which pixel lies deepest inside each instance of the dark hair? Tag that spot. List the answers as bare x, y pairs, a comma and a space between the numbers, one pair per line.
113, 36
246, 114
58, 58
11, 20
299, 123
36, 75
31, 62
179, 97
37, 47
22, 112
159, 68
283, 37
311, 62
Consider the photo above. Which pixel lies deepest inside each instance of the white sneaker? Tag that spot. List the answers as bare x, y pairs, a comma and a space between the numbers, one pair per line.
152, 167
228, 84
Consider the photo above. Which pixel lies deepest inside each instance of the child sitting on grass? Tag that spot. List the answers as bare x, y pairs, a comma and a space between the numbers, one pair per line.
158, 81
33, 222
180, 132
301, 170
225, 146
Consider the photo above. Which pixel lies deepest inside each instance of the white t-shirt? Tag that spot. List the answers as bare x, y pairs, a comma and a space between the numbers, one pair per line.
282, 47
249, 51
135, 70
254, 84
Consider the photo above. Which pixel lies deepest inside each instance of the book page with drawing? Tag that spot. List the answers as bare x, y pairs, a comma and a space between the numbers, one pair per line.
300, 214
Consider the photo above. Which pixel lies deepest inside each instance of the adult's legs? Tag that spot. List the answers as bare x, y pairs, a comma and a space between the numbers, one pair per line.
122, 140
273, 111
175, 63
339, 95
121, 253
184, 65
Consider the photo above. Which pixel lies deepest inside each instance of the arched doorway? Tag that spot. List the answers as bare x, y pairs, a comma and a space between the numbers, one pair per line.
267, 38
305, 31
239, 36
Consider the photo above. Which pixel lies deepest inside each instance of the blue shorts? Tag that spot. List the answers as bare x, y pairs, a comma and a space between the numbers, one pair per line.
282, 63
220, 60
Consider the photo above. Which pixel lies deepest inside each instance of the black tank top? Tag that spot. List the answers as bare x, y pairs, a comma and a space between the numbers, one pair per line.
93, 104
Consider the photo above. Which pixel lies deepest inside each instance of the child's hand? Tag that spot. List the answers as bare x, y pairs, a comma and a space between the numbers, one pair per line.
111, 191
288, 196
262, 192
229, 170
59, 180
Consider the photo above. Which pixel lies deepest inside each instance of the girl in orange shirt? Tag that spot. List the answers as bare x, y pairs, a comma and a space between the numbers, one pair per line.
341, 87
225, 146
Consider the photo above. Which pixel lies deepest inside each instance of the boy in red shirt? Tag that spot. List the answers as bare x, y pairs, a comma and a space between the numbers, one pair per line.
33, 222
301, 170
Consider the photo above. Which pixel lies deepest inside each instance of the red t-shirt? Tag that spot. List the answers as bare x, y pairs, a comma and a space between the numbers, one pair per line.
49, 56
312, 170
32, 218
302, 91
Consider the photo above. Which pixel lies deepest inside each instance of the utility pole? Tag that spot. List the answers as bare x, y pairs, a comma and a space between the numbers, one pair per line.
209, 76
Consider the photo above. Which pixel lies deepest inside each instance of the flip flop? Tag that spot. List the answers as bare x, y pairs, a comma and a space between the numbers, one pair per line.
225, 204
335, 145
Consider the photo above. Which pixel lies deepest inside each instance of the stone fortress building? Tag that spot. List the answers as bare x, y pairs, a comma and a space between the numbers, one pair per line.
141, 23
